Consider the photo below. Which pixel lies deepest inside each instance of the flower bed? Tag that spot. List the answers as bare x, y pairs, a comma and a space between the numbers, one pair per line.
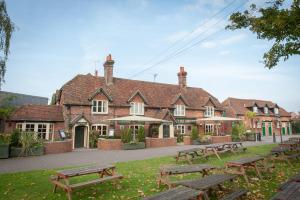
221, 139
160, 142
58, 146
109, 144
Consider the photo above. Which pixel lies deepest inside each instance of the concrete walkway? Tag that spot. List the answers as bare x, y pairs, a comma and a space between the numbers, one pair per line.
88, 156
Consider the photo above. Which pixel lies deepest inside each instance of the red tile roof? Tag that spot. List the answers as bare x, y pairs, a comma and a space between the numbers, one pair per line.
42, 113
241, 106
78, 90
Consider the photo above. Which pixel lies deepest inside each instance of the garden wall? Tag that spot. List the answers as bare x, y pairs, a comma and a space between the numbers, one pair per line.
221, 139
160, 142
110, 144
58, 146
187, 140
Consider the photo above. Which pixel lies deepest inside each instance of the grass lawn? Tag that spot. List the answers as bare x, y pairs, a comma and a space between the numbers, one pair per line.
139, 180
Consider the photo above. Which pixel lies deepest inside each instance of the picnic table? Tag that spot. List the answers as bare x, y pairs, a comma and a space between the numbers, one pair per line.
289, 144
207, 182
62, 177
242, 164
190, 154
280, 153
178, 193
290, 192
296, 139
224, 147
167, 171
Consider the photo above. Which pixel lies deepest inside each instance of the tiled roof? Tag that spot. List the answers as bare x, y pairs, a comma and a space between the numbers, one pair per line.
241, 106
78, 90
42, 113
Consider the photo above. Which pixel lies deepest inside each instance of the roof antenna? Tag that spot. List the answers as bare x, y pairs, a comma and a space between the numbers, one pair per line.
154, 77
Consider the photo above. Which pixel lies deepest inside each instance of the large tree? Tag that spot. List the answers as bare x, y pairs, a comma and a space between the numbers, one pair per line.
6, 29
278, 23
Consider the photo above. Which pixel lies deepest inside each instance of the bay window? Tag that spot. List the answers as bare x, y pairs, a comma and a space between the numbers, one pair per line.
136, 108
100, 107
42, 130
209, 112
179, 110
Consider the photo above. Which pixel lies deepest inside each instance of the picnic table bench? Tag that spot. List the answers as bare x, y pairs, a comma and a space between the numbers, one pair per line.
190, 154
62, 177
295, 178
167, 171
290, 192
178, 193
207, 182
242, 164
223, 148
292, 145
281, 153
296, 139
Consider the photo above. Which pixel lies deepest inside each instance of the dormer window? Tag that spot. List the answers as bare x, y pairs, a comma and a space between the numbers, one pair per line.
266, 110
100, 107
136, 108
254, 109
179, 110
276, 111
209, 112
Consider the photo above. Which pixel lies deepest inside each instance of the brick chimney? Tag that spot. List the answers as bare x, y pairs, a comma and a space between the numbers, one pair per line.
182, 78
108, 70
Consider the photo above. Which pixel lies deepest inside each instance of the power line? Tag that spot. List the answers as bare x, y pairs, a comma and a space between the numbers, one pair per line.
186, 47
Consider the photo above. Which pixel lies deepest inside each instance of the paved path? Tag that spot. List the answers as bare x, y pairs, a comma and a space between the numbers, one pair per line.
87, 156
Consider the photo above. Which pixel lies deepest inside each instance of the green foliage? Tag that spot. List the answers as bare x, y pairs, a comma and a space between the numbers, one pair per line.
195, 133
29, 140
126, 135
274, 23
238, 132
15, 138
296, 126
6, 29
4, 138
93, 139
179, 138
6, 107
53, 99
141, 134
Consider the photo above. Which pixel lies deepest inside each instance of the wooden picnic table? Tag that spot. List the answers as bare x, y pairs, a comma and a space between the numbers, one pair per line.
167, 171
207, 182
296, 139
290, 192
190, 154
224, 147
242, 164
178, 193
62, 177
292, 145
280, 153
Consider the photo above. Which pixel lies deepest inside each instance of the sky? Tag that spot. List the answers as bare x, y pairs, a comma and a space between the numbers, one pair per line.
58, 39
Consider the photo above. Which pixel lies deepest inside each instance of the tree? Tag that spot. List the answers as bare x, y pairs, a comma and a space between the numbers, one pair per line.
281, 25
6, 29
251, 115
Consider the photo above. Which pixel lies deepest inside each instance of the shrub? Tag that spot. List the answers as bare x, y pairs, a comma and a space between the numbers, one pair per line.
15, 138
205, 138
141, 134
4, 138
195, 133
238, 132
126, 135
29, 140
93, 138
180, 137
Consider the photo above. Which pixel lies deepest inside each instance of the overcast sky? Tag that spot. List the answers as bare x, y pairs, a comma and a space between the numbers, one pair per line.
58, 39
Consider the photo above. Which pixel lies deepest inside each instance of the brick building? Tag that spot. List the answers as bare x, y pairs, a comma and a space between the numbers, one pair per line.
270, 118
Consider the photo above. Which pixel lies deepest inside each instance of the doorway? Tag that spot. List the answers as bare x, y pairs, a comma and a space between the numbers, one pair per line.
166, 131
264, 129
270, 128
79, 136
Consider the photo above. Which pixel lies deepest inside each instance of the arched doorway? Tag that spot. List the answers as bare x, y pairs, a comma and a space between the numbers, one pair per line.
79, 136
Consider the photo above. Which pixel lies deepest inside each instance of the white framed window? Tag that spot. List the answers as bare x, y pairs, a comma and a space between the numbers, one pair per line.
266, 110
136, 108
278, 125
209, 128
276, 111
209, 112
258, 125
29, 127
41, 129
180, 129
102, 129
19, 126
254, 109
179, 110
100, 107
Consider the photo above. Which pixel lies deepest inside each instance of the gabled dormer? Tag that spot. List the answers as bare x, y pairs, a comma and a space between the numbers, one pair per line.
100, 100
255, 108
180, 104
209, 108
276, 109
137, 103
266, 109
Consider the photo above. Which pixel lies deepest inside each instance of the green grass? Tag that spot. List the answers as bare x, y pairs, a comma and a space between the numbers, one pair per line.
139, 180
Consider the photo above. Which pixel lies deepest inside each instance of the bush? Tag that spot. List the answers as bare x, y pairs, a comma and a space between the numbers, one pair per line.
238, 132
93, 139
205, 138
126, 135
296, 126
180, 138
195, 133
141, 134
4, 139
15, 138
28, 141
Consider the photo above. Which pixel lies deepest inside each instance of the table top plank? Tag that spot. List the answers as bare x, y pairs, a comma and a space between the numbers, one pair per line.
181, 169
291, 192
191, 150
246, 160
178, 193
207, 182
84, 170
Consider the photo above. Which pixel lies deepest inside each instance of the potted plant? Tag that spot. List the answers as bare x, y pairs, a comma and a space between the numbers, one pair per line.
127, 139
4, 145
195, 136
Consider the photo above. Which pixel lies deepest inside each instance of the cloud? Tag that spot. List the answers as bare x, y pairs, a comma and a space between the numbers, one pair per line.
203, 5
177, 36
223, 53
223, 42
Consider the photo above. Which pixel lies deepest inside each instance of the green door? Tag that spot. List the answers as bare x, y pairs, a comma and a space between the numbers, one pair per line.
283, 130
166, 131
270, 128
264, 129
79, 136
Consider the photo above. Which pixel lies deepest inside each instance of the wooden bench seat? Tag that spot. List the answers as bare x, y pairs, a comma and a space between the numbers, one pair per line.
235, 195
95, 181
293, 156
